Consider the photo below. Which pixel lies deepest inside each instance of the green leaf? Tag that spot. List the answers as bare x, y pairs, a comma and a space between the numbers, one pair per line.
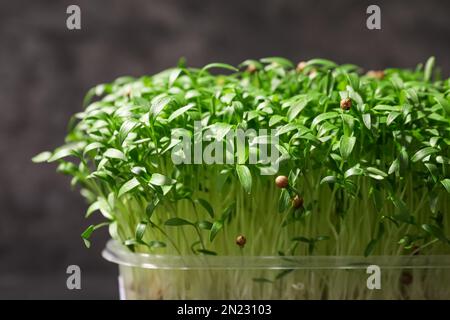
63, 152
207, 252
275, 119
346, 145
286, 128
411, 94
174, 74
336, 157
92, 208
404, 159
442, 160
284, 201
422, 153
435, 232
114, 154
139, 171
42, 157
397, 81
130, 243
322, 62
220, 130
140, 230
151, 207
355, 171
444, 103
105, 208
180, 111
446, 184
282, 62
394, 166
158, 104
177, 222
205, 225
245, 177
382, 107
353, 81
92, 146
323, 117
391, 117
157, 244
367, 120
160, 180
301, 239
296, 108
205, 204
125, 129
429, 65
216, 227
250, 62
219, 66
128, 186
376, 173
328, 179
348, 124
437, 117
87, 234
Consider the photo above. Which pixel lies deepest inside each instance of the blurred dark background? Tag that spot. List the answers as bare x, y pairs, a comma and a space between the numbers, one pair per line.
45, 70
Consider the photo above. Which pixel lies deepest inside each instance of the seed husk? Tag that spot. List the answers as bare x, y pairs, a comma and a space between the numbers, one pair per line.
251, 68
312, 74
282, 182
297, 202
346, 104
376, 74
241, 240
300, 66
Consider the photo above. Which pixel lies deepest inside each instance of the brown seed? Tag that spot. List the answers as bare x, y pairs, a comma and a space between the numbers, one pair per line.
376, 74
346, 104
297, 202
282, 182
406, 278
300, 66
251, 68
241, 241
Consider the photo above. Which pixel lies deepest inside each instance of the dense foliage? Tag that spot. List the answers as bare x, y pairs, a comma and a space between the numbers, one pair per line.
367, 156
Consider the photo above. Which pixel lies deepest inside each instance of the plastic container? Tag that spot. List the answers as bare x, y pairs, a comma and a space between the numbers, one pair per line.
146, 276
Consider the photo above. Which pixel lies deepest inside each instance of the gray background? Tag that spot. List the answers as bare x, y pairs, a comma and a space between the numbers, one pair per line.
45, 70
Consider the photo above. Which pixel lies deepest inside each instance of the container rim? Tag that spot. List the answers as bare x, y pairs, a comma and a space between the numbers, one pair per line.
117, 253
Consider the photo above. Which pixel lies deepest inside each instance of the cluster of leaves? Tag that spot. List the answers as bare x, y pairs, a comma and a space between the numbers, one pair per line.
397, 131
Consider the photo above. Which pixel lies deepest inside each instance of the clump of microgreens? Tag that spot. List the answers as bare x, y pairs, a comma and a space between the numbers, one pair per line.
365, 167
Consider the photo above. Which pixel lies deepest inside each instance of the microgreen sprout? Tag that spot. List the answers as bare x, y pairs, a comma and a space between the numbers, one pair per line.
364, 165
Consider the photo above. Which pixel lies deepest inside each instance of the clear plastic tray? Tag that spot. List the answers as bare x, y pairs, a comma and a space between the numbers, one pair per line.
146, 276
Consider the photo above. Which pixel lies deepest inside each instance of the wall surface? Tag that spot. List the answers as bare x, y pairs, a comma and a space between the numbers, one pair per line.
46, 69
